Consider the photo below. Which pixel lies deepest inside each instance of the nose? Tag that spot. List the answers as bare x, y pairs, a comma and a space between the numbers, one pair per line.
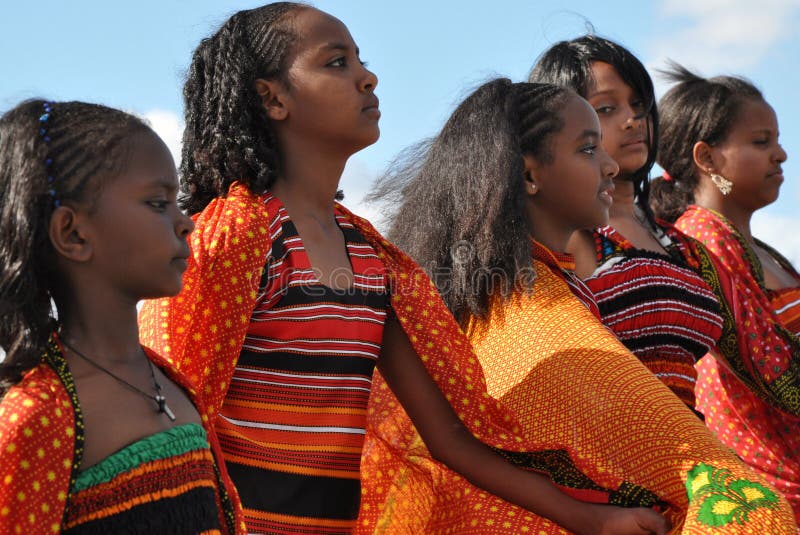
369, 81
608, 166
183, 225
781, 156
634, 118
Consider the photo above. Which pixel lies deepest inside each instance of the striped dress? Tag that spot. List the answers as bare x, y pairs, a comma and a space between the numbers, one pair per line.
657, 305
293, 422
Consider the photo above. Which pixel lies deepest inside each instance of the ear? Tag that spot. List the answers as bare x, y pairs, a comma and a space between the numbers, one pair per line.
703, 156
68, 236
272, 93
531, 167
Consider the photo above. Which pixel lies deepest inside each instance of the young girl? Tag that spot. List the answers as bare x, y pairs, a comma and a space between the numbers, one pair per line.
721, 151
642, 272
94, 436
282, 317
531, 158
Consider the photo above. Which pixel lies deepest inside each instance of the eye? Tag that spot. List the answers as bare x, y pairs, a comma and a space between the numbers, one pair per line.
159, 206
601, 110
364, 64
338, 62
589, 149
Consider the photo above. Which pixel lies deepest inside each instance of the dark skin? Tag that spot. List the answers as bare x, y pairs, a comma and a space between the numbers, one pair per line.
750, 157
100, 290
312, 164
619, 109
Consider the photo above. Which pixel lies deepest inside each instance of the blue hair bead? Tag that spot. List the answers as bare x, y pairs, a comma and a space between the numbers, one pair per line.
47, 139
50, 179
56, 203
44, 117
42, 131
48, 161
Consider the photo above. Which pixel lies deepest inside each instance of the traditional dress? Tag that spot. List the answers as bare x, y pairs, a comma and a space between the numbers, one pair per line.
203, 330
657, 304
169, 482
749, 389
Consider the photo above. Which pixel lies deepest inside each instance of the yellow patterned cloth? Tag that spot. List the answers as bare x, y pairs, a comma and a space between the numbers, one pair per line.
202, 330
569, 381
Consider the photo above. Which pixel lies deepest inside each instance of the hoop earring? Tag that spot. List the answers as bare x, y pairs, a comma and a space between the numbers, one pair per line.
723, 184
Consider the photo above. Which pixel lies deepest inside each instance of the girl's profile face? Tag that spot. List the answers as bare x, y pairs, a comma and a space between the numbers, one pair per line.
574, 188
622, 116
330, 99
136, 230
751, 156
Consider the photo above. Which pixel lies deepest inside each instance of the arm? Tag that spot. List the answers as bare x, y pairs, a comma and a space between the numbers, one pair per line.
452, 444
581, 246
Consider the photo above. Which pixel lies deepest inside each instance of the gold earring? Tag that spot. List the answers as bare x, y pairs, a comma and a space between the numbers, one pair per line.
723, 184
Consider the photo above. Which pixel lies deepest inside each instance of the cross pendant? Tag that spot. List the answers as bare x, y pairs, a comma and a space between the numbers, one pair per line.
163, 408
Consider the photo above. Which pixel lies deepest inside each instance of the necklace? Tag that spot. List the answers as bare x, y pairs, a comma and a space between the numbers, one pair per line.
159, 398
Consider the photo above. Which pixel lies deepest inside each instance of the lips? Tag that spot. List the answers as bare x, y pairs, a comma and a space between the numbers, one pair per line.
371, 104
778, 173
633, 141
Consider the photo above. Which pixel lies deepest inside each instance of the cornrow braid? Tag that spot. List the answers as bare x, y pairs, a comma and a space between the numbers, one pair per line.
695, 109
464, 192
228, 136
81, 148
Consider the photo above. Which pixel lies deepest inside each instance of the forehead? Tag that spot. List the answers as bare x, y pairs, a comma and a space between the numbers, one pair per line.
315, 29
605, 78
146, 158
754, 115
579, 118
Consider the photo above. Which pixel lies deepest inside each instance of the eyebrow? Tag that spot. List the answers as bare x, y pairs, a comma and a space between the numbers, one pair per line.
587, 133
338, 46
163, 182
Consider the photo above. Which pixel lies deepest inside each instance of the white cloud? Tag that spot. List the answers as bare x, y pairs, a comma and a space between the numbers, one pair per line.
169, 126
781, 232
721, 36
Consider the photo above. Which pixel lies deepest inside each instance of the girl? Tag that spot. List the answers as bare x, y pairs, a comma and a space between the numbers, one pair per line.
282, 317
531, 158
642, 272
721, 151
94, 436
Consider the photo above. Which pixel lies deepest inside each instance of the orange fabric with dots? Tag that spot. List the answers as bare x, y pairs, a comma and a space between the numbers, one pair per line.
37, 446
201, 331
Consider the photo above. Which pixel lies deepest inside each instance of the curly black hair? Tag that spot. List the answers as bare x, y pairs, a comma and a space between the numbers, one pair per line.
568, 63
84, 144
695, 109
228, 136
456, 202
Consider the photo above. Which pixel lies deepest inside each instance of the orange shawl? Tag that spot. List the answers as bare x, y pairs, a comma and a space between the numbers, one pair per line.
201, 331
41, 448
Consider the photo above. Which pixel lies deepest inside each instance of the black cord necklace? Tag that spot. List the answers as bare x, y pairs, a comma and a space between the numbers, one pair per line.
159, 398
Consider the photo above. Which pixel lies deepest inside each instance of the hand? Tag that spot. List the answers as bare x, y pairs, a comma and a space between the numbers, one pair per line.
611, 520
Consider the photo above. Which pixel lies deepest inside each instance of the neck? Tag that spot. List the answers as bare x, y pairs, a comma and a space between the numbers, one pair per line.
103, 328
309, 180
710, 197
623, 206
551, 236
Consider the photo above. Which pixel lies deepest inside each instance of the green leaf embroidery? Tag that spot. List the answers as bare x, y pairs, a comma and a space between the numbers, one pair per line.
725, 501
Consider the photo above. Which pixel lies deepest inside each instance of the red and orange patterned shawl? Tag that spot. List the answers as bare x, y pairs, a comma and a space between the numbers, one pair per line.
202, 330
41, 443
756, 346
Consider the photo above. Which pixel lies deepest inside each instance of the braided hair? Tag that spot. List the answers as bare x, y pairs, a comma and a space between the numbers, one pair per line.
51, 153
458, 199
568, 63
695, 109
228, 136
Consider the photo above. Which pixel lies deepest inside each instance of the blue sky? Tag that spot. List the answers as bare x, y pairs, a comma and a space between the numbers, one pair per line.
427, 55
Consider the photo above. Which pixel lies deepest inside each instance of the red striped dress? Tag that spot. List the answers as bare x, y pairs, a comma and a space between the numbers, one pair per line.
658, 305
293, 423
